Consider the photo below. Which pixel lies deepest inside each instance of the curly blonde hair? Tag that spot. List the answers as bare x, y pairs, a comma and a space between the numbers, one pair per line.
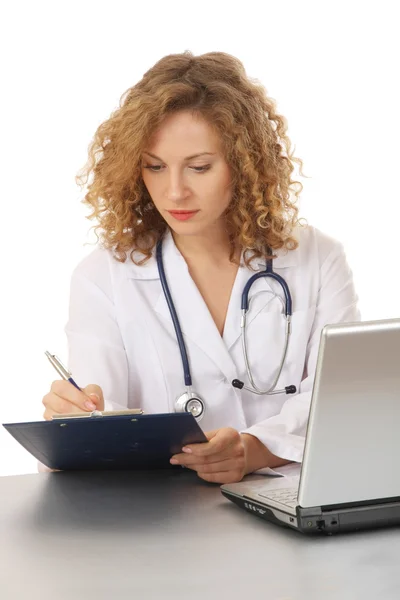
262, 213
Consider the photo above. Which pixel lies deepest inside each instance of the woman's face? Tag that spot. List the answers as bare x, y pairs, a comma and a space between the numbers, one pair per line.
186, 175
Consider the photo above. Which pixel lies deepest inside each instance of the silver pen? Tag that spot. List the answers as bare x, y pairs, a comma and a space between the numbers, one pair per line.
61, 370
65, 374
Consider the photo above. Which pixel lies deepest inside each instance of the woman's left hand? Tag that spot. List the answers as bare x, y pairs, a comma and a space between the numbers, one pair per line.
220, 460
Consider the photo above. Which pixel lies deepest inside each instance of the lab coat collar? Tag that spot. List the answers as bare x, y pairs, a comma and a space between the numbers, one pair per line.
195, 319
284, 258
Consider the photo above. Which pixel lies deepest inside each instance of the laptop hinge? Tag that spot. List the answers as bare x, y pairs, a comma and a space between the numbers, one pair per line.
313, 519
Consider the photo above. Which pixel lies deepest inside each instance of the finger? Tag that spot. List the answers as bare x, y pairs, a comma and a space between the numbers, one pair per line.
48, 414
222, 466
219, 440
235, 451
95, 393
233, 476
68, 392
56, 405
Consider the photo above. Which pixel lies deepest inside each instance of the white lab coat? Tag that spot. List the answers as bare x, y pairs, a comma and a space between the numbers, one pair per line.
121, 336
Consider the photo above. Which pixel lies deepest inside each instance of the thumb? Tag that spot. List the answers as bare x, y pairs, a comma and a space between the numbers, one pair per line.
211, 434
95, 393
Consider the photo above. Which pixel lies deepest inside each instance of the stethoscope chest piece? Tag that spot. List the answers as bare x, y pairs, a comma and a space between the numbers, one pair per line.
191, 403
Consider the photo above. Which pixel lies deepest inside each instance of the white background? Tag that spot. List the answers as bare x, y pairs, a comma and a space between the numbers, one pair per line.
333, 69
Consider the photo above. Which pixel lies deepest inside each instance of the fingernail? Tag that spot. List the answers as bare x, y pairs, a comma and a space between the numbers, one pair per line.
89, 405
187, 450
95, 396
173, 461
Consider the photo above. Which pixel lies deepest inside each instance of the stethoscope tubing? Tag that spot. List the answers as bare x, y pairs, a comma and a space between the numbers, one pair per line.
181, 342
267, 273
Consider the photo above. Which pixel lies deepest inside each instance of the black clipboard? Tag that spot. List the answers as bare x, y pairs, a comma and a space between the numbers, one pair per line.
108, 440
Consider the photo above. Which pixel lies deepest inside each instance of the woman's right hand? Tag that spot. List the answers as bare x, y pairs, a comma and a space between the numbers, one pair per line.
66, 398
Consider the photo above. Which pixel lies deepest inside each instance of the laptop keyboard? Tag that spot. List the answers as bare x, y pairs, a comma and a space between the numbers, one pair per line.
286, 496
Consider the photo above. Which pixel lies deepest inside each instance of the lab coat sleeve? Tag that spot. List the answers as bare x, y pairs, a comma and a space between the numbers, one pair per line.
96, 352
284, 433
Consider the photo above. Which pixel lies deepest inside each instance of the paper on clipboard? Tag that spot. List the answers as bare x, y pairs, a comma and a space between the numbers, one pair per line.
99, 413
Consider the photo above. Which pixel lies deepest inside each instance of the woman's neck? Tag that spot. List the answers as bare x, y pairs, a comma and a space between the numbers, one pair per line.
204, 247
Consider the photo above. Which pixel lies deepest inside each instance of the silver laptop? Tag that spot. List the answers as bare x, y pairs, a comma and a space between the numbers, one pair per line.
349, 476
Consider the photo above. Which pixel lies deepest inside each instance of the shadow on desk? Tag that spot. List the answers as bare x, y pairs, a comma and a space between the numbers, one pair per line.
117, 500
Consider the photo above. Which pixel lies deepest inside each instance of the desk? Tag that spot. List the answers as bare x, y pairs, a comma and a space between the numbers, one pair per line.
170, 536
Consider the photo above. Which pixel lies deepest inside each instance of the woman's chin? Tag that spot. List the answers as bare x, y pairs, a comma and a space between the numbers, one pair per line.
186, 228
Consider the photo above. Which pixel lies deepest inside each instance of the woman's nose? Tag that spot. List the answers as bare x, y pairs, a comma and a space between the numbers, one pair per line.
176, 188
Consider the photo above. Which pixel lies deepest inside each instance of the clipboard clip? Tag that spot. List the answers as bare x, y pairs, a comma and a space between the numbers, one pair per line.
99, 413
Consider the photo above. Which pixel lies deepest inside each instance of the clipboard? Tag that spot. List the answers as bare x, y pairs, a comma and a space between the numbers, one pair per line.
108, 440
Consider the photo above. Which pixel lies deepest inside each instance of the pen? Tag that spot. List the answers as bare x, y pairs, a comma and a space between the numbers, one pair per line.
61, 370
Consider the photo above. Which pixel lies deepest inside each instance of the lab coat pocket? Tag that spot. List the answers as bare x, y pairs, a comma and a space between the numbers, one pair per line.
265, 345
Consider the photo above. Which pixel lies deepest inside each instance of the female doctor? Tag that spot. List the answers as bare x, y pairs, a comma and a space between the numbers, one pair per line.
193, 195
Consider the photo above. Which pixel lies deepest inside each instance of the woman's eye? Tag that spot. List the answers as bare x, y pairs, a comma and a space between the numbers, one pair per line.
155, 168
201, 169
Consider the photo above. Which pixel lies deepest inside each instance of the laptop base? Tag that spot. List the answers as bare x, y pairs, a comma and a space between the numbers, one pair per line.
325, 520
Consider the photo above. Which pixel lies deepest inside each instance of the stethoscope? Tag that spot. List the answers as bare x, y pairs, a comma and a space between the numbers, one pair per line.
190, 401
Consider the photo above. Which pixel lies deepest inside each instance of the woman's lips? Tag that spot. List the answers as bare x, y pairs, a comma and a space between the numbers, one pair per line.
182, 215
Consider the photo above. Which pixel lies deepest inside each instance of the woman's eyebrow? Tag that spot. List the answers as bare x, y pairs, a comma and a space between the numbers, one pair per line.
187, 158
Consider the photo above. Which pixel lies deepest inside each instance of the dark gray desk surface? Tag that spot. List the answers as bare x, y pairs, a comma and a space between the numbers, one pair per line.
117, 536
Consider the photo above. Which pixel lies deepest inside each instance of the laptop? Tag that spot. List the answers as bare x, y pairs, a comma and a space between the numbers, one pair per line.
349, 478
